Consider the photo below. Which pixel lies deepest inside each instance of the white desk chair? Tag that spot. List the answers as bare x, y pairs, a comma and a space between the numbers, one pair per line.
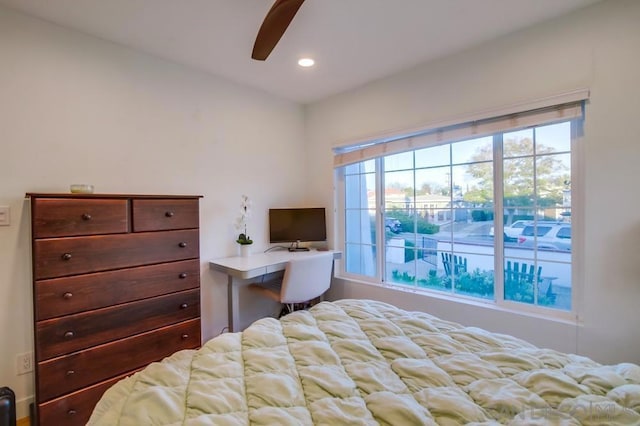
304, 280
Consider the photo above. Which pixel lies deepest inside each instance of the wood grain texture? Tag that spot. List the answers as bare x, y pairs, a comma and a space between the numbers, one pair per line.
150, 215
71, 333
75, 408
59, 257
59, 217
69, 295
116, 286
80, 369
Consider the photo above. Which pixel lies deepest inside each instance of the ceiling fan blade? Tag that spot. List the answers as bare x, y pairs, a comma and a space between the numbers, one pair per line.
273, 27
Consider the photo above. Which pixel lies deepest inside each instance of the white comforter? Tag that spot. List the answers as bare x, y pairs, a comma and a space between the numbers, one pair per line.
357, 362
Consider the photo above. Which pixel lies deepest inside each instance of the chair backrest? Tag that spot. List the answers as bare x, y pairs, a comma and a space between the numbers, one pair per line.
521, 275
306, 278
459, 263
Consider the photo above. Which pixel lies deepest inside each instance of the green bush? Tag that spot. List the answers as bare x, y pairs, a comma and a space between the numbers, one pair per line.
425, 227
523, 292
406, 222
402, 278
482, 215
476, 282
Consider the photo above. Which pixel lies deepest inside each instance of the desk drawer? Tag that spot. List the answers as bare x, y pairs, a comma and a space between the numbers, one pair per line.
71, 333
59, 257
69, 295
60, 217
68, 373
160, 215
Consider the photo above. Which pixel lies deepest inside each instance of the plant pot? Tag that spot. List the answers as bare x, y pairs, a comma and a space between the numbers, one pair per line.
245, 250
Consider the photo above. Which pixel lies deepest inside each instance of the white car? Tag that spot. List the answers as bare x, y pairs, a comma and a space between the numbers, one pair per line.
550, 236
515, 229
512, 232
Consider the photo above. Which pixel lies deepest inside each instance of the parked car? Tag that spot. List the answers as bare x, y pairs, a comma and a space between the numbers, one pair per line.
512, 232
546, 235
392, 225
515, 229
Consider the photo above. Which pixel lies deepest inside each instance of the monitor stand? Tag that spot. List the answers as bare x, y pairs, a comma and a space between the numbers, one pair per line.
296, 247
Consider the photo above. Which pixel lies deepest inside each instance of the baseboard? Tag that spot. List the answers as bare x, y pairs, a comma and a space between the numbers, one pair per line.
22, 410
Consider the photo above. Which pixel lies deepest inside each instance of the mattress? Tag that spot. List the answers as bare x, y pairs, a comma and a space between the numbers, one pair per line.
361, 362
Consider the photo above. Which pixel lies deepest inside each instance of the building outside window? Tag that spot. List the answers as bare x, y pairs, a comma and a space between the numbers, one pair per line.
444, 217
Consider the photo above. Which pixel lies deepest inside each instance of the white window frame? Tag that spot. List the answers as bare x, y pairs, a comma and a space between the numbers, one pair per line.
499, 302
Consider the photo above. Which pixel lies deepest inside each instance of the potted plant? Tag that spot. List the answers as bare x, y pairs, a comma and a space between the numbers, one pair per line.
241, 226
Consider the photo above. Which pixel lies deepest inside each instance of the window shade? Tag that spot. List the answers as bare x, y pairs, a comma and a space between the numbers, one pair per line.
546, 111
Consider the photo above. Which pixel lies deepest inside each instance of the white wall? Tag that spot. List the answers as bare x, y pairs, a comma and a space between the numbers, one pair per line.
595, 48
77, 109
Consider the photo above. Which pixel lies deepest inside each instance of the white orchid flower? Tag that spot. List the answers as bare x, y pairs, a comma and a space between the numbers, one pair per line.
242, 219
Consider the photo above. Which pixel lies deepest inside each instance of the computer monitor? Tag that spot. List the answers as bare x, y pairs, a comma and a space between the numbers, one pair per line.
295, 225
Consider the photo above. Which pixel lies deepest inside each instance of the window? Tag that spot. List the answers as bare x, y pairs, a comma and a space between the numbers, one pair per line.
426, 218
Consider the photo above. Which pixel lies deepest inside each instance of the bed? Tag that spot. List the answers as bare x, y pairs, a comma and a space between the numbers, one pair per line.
363, 362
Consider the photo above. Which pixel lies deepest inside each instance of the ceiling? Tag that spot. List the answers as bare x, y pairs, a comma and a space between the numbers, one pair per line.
353, 41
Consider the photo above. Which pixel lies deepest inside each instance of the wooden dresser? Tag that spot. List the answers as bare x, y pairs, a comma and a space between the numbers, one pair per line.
116, 286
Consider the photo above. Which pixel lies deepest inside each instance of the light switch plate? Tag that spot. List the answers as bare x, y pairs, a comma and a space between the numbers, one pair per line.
5, 218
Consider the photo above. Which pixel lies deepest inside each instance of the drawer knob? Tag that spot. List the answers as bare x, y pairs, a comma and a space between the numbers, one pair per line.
184, 306
71, 412
68, 334
185, 336
182, 244
169, 214
70, 373
66, 256
67, 295
86, 216
183, 275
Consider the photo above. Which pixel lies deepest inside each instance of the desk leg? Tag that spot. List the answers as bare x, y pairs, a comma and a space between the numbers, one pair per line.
333, 265
233, 304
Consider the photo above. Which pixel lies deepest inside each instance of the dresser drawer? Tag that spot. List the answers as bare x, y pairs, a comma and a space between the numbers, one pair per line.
68, 373
58, 257
58, 217
160, 215
71, 333
75, 408
63, 296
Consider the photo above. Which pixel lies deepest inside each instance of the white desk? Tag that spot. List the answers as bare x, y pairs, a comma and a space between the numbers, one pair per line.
241, 271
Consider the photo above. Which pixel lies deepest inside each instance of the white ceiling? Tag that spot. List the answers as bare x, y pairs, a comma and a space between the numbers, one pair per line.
353, 41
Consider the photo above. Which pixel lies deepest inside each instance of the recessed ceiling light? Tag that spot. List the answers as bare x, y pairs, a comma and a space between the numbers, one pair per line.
306, 62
